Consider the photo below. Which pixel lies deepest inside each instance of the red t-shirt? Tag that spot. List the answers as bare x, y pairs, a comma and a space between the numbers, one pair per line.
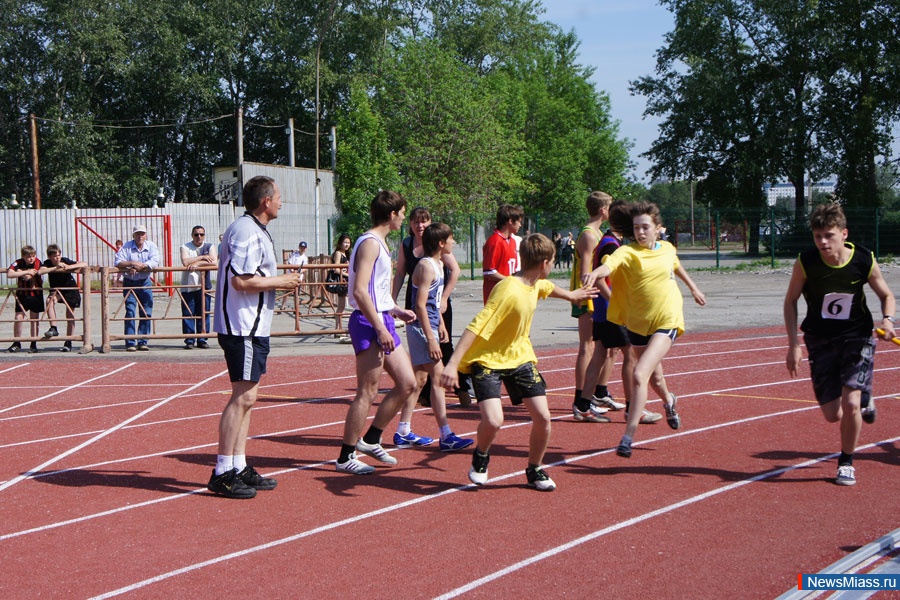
499, 256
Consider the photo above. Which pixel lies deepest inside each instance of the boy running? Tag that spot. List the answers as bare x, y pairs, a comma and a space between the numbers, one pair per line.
496, 347
838, 326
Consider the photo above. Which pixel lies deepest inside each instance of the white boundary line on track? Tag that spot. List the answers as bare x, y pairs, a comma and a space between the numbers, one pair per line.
65, 389
512, 568
103, 434
639, 519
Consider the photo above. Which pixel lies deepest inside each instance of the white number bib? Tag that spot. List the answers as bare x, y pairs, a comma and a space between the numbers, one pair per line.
837, 306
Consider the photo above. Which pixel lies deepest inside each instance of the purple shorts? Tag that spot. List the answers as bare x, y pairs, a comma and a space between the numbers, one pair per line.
363, 335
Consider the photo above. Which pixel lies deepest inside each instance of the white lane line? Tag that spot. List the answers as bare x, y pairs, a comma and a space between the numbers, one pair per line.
102, 435
477, 583
635, 520
318, 465
65, 389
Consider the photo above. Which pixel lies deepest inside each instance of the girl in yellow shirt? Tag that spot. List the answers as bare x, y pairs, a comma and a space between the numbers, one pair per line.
647, 303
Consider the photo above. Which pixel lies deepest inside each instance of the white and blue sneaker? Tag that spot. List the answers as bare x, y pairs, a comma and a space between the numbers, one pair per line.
453, 442
410, 439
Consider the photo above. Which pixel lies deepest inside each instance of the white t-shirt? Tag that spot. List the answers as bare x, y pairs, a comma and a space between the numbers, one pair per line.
193, 277
300, 260
380, 283
247, 249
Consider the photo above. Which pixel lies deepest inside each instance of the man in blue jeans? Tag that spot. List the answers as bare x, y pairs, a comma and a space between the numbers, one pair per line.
137, 259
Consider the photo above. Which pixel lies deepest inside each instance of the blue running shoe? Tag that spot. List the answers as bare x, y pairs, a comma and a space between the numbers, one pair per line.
452, 442
410, 439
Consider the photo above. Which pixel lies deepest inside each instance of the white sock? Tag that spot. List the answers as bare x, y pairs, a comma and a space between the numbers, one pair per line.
445, 431
224, 464
403, 428
240, 461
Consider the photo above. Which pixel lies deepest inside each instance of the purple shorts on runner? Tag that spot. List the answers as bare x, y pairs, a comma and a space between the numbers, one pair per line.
363, 335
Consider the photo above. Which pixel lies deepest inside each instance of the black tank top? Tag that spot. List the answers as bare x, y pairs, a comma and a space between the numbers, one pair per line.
835, 299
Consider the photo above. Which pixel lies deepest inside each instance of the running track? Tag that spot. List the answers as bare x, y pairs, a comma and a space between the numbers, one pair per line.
104, 466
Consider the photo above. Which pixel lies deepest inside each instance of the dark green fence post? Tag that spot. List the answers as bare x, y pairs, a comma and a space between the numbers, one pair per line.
772, 236
718, 241
472, 247
877, 233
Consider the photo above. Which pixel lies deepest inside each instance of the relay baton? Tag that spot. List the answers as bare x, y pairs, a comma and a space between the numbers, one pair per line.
880, 331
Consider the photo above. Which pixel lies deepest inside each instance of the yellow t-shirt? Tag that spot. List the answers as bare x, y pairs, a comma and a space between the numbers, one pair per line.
645, 295
503, 326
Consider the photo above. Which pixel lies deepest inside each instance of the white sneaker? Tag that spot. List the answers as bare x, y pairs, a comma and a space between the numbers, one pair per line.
607, 402
591, 415
539, 480
354, 466
478, 477
647, 417
846, 475
376, 452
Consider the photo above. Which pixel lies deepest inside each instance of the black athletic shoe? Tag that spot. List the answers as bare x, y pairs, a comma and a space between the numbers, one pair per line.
32, 349
15, 347
202, 345
228, 484
256, 481
67, 346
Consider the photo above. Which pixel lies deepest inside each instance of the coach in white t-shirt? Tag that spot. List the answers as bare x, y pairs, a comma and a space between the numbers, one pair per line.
245, 299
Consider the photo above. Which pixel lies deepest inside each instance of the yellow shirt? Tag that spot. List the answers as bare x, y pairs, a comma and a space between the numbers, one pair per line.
575, 280
645, 296
503, 326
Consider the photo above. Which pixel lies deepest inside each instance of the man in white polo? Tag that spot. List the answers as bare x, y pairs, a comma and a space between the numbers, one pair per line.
245, 300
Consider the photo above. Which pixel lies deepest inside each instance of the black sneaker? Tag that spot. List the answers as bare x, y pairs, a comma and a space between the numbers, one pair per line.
539, 480
189, 346
32, 348
67, 346
228, 484
624, 448
202, 345
256, 481
15, 347
52, 332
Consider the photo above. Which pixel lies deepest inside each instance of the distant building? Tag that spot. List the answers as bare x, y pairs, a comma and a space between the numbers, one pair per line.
785, 192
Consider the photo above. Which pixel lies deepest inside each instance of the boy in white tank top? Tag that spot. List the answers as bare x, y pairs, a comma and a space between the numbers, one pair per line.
375, 341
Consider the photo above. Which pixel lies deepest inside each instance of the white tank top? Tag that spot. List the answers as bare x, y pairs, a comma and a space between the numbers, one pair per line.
380, 282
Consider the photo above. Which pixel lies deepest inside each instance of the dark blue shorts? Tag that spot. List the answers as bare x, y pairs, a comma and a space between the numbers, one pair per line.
363, 335
525, 381
245, 356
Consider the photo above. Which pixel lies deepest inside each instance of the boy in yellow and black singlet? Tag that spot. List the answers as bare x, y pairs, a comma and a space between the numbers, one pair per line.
837, 329
597, 205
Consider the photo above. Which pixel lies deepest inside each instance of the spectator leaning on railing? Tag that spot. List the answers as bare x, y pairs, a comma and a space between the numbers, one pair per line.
137, 258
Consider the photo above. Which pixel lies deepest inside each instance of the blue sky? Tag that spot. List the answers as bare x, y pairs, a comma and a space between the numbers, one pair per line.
619, 38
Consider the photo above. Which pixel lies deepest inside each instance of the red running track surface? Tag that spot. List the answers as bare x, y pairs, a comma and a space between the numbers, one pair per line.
104, 466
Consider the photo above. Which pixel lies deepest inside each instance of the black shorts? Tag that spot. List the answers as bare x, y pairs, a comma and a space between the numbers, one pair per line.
522, 382
838, 362
30, 303
245, 356
72, 297
610, 335
639, 340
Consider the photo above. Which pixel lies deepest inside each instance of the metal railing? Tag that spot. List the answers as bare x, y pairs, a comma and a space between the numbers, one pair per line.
310, 310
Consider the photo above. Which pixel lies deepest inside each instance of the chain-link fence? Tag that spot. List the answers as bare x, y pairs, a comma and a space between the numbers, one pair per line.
770, 232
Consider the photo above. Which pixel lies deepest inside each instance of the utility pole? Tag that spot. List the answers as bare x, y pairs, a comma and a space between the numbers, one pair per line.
290, 132
35, 170
240, 153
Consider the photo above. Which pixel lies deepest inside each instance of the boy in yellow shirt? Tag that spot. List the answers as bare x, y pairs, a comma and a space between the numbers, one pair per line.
496, 347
